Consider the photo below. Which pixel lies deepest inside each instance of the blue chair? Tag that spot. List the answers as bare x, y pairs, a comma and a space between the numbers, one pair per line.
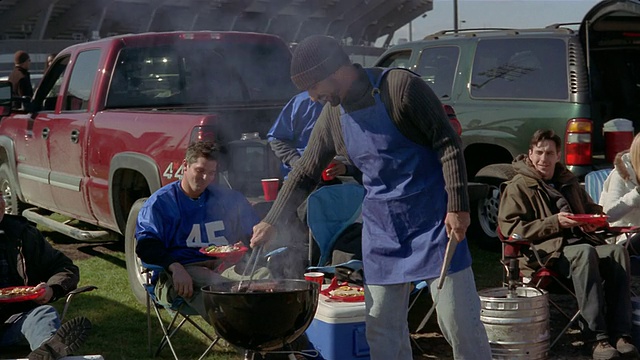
594, 181
330, 210
179, 311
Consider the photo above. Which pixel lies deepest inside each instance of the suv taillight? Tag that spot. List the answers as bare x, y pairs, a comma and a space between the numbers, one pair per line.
577, 142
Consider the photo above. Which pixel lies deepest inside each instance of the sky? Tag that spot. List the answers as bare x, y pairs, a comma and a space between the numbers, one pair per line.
494, 13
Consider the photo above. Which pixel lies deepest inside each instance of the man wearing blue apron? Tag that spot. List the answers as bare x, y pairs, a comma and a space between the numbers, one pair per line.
392, 127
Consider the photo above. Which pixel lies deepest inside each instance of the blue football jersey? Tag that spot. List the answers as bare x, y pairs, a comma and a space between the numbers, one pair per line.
218, 217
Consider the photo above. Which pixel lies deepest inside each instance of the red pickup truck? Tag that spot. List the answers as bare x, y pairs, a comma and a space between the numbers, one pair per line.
111, 120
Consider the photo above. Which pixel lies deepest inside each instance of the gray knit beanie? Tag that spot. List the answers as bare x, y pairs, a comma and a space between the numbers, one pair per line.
314, 59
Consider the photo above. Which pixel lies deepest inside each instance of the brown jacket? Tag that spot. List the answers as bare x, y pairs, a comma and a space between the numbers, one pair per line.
528, 207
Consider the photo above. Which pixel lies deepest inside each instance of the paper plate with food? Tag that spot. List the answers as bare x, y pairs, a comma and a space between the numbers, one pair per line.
20, 293
594, 219
231, 252
342, 291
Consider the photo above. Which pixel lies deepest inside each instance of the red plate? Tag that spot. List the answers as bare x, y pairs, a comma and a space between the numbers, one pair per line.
334, 285
19, 298
230, 256
624, 229
589, 218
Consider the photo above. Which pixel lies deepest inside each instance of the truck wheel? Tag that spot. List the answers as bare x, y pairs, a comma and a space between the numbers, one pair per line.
134, 267
8, 190
484, 222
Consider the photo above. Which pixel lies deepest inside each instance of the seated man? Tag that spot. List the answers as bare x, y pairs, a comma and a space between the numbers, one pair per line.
39, 265
537, 204
186, 215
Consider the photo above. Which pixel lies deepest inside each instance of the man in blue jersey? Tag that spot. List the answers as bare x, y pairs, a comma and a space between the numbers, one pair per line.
289, 135
186, 215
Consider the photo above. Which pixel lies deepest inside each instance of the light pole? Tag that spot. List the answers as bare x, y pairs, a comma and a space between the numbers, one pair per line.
455, 15
410, 31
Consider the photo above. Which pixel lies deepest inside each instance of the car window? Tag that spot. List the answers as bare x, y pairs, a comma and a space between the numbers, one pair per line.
520, 69
82, 77
47, 92
200, 73
398, 59
437, 67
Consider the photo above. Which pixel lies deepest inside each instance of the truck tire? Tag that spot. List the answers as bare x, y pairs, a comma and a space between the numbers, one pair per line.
134, 267
8, 190
484, 212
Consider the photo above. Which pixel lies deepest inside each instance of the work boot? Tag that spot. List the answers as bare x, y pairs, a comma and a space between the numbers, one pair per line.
65, 341
627, 349
602, 350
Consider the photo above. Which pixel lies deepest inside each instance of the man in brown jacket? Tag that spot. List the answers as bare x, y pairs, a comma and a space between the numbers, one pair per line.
538, 204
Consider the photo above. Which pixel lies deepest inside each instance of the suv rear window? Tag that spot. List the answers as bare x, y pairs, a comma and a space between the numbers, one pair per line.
437, 66
200, 73
520, 69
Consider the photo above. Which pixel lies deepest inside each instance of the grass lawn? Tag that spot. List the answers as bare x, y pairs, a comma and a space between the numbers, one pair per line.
120, 323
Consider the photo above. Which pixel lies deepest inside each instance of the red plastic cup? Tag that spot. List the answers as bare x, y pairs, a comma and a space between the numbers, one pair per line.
270, 188
326, 177
315, 276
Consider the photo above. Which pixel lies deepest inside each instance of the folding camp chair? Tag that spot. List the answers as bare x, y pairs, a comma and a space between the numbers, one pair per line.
594, 181
179, 311
330, 210
542, 279
593, 185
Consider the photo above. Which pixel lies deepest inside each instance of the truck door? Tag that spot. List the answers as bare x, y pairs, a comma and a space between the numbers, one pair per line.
68, 138
32, 152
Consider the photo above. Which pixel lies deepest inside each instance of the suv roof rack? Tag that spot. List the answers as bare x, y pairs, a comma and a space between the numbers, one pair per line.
473, 32
452, 31
563, 25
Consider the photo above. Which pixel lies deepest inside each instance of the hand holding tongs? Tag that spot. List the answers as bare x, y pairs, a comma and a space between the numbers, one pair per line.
448, 255
255, 256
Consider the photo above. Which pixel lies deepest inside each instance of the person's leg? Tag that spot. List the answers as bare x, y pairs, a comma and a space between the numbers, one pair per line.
201, 276
39, 325
386, 320
458, 310
11, 333
66, 340
580, 264
614, 267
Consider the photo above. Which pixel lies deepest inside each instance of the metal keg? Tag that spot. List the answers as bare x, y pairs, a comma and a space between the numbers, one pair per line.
517, 322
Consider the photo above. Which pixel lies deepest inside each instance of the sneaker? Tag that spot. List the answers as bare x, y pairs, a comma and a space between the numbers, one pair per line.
602, 350
65, 341
627, 349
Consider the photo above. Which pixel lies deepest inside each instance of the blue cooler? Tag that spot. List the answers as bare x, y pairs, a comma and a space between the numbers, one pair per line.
338, 330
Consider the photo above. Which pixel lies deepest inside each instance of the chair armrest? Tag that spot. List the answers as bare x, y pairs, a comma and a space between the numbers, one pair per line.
73, 293
151, 267
82, 289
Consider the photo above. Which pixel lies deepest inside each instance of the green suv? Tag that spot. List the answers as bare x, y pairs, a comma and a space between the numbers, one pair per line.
506, 83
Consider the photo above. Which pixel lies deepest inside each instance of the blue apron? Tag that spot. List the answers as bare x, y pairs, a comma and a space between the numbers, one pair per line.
404, 236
